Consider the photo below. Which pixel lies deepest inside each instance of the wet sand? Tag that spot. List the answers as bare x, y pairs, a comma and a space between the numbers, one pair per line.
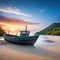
42, 50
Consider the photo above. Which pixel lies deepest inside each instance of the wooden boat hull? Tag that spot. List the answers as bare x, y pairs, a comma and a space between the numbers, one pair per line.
30, 40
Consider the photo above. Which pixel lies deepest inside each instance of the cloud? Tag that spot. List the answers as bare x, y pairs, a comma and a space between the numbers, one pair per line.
15, 21
12, 10
42, 11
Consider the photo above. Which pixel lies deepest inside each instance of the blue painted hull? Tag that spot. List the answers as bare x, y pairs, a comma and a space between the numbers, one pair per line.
30, 40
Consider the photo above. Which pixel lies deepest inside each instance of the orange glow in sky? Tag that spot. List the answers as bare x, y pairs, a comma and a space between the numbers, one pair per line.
12, 26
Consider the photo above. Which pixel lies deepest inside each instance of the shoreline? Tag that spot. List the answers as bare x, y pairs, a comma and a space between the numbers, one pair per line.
46, 51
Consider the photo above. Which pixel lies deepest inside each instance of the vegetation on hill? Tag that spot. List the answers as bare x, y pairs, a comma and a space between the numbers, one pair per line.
53, 29
1, 32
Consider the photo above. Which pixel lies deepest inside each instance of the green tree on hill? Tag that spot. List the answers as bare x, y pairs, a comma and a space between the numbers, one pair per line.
2, 32
53, 29
56, 31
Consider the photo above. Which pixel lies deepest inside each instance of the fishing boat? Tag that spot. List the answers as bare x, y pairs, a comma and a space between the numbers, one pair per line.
24, 38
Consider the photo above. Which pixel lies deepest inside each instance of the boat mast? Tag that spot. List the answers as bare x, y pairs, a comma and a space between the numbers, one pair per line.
26, 28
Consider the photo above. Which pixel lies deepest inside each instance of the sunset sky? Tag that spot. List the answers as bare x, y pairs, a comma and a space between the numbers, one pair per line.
44, 12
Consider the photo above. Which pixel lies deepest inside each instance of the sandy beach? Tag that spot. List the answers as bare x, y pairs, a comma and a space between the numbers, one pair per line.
41, 50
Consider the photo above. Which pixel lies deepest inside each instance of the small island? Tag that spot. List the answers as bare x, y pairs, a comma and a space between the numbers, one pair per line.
53, 29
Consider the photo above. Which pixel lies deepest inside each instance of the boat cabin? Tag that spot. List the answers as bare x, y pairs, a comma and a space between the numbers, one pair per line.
24, 33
